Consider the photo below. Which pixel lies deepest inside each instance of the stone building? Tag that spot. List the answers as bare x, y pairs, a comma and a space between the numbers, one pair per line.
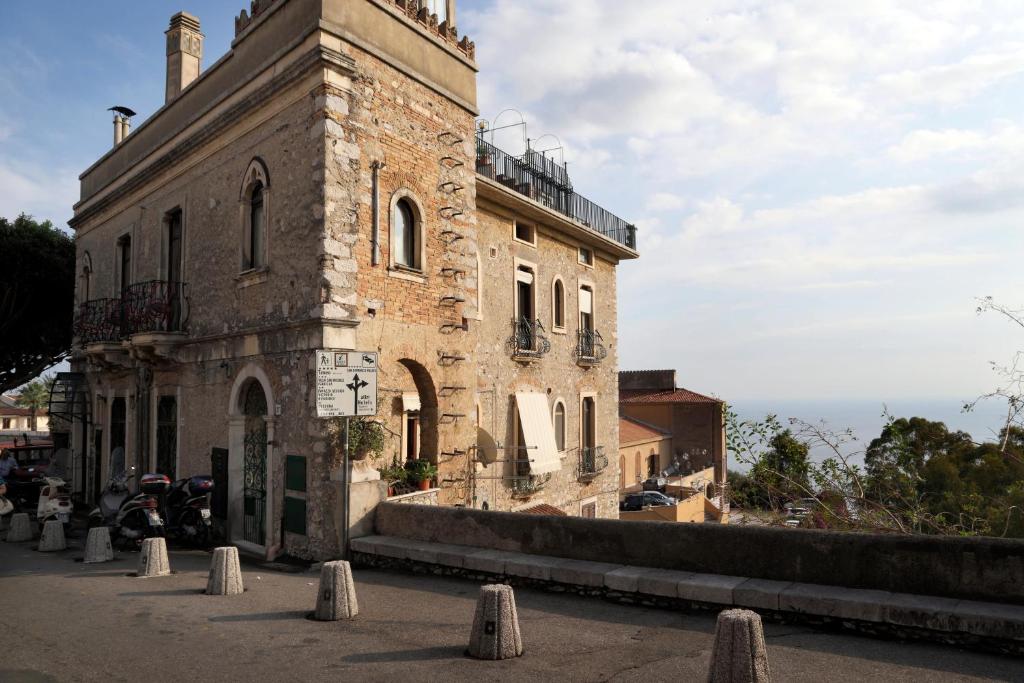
695, 422
323, 186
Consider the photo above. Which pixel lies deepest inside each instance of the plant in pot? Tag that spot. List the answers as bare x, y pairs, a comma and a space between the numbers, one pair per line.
365, 437
394, 474
422, 472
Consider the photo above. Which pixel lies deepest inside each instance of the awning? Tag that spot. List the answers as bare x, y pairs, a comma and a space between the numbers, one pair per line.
411, 402
538, 432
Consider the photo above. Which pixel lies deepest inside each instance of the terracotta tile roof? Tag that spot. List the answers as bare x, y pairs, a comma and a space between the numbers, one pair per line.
544, 509
20, 412
655, 396
631, 431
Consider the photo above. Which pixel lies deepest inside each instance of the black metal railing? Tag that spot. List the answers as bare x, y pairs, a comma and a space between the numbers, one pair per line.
593, 461
546, 182
527, 340
156, 306
528, 485
589, 347
98, 320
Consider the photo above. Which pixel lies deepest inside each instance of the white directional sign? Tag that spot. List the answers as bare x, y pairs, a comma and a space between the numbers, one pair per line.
346, 383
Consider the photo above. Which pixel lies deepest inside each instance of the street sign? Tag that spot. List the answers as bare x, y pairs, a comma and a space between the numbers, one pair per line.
346, 383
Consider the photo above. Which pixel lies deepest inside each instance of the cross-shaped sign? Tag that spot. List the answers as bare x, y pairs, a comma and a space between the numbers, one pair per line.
355, 385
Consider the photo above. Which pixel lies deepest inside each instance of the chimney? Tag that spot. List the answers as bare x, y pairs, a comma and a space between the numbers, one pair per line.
118, 130
184, 53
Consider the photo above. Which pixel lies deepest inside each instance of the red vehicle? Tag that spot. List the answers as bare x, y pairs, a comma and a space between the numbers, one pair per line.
26, 480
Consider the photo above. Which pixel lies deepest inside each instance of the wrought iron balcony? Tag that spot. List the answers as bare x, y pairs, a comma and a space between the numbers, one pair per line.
99, 320
527, 342
593, 461
589, 348
156, 306
526, 485
546, 182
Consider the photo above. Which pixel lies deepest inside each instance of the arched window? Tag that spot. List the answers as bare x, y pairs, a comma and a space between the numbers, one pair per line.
652, 465
254, 207
622, 471
559, 422
257, 225
558, 304
406, 239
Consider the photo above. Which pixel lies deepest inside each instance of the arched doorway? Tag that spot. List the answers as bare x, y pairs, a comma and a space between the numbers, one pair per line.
420, 416
254, 465
250, 461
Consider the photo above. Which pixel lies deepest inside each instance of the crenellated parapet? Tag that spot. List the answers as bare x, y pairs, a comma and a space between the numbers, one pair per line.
418, 12
256, 8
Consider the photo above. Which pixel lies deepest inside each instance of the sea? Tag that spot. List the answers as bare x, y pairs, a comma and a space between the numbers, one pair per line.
866, 418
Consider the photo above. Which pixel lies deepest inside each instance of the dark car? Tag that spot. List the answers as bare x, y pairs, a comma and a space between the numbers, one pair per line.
24, 481
638, 501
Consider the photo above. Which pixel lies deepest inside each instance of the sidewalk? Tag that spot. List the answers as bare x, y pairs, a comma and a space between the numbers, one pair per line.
70, 621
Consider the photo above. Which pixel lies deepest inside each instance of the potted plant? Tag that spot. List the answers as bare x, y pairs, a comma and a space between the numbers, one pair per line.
365, 437
422, 472
393, 474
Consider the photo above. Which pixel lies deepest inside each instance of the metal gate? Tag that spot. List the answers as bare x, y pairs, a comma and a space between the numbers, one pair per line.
253, 523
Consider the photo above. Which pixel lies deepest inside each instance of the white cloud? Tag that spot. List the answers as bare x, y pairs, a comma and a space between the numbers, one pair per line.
47, 194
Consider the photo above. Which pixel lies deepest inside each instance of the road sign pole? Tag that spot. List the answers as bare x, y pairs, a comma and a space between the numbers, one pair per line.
345, 492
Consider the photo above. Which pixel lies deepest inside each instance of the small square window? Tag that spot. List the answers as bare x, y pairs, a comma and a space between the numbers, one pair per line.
586, 256
526, 233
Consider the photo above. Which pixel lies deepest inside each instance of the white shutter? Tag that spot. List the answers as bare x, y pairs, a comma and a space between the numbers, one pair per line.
586, 301
539, 434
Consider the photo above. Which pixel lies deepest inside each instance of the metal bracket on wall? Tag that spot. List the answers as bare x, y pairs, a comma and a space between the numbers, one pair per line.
452, 300
453, 272
449, 138
451, 162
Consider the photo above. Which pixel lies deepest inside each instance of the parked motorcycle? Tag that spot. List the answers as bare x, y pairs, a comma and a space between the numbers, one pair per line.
187, 510
54, 503
131, 517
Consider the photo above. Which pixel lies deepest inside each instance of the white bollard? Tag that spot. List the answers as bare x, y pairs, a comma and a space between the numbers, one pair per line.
153, 559
225, 574
21, 529
337, 596
52, 538
739, 654
495, 632
97, 545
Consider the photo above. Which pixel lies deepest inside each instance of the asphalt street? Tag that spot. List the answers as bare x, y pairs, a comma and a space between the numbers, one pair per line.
68, 621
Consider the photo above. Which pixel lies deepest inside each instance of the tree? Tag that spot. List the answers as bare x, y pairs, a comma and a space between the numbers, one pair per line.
37, 291
783, 470
35, 396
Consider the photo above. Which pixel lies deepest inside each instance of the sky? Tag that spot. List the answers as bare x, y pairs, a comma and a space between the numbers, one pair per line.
822, 189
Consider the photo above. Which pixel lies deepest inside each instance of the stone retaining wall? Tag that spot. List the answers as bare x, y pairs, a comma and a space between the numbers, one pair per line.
963, 568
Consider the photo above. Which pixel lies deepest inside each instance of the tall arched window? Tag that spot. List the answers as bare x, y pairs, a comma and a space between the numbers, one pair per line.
255, 198
558, 304
559, 422
257, 226
406, 247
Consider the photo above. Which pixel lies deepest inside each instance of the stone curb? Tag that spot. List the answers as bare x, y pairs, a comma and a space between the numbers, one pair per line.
926, 613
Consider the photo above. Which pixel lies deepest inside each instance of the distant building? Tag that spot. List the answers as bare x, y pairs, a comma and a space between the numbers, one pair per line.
650, 404
16, 420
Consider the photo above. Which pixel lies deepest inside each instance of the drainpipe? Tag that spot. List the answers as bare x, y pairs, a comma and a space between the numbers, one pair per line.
375, 239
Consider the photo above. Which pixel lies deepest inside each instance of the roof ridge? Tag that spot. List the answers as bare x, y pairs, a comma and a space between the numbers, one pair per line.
642, 423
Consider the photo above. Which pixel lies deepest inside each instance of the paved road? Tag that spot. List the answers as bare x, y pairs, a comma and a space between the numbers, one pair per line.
74, 622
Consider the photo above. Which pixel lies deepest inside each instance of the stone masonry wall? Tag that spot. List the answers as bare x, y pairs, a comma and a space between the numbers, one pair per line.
388, 118
555, 374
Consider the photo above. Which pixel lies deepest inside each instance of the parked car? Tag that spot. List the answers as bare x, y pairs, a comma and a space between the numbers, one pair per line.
638, 501
26, 480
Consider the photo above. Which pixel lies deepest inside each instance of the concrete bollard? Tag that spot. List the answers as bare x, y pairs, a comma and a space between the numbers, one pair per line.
739, 654
337, 596
21, 529
153, 559
97, 545
495, 632
52, 538
225, 574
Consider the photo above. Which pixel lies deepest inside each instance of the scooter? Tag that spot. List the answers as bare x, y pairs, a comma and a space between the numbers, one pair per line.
130, 517
54, 503
187, 509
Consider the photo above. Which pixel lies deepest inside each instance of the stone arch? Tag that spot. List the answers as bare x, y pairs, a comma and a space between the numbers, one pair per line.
253, 372
429, 414
255, 172
419, 216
